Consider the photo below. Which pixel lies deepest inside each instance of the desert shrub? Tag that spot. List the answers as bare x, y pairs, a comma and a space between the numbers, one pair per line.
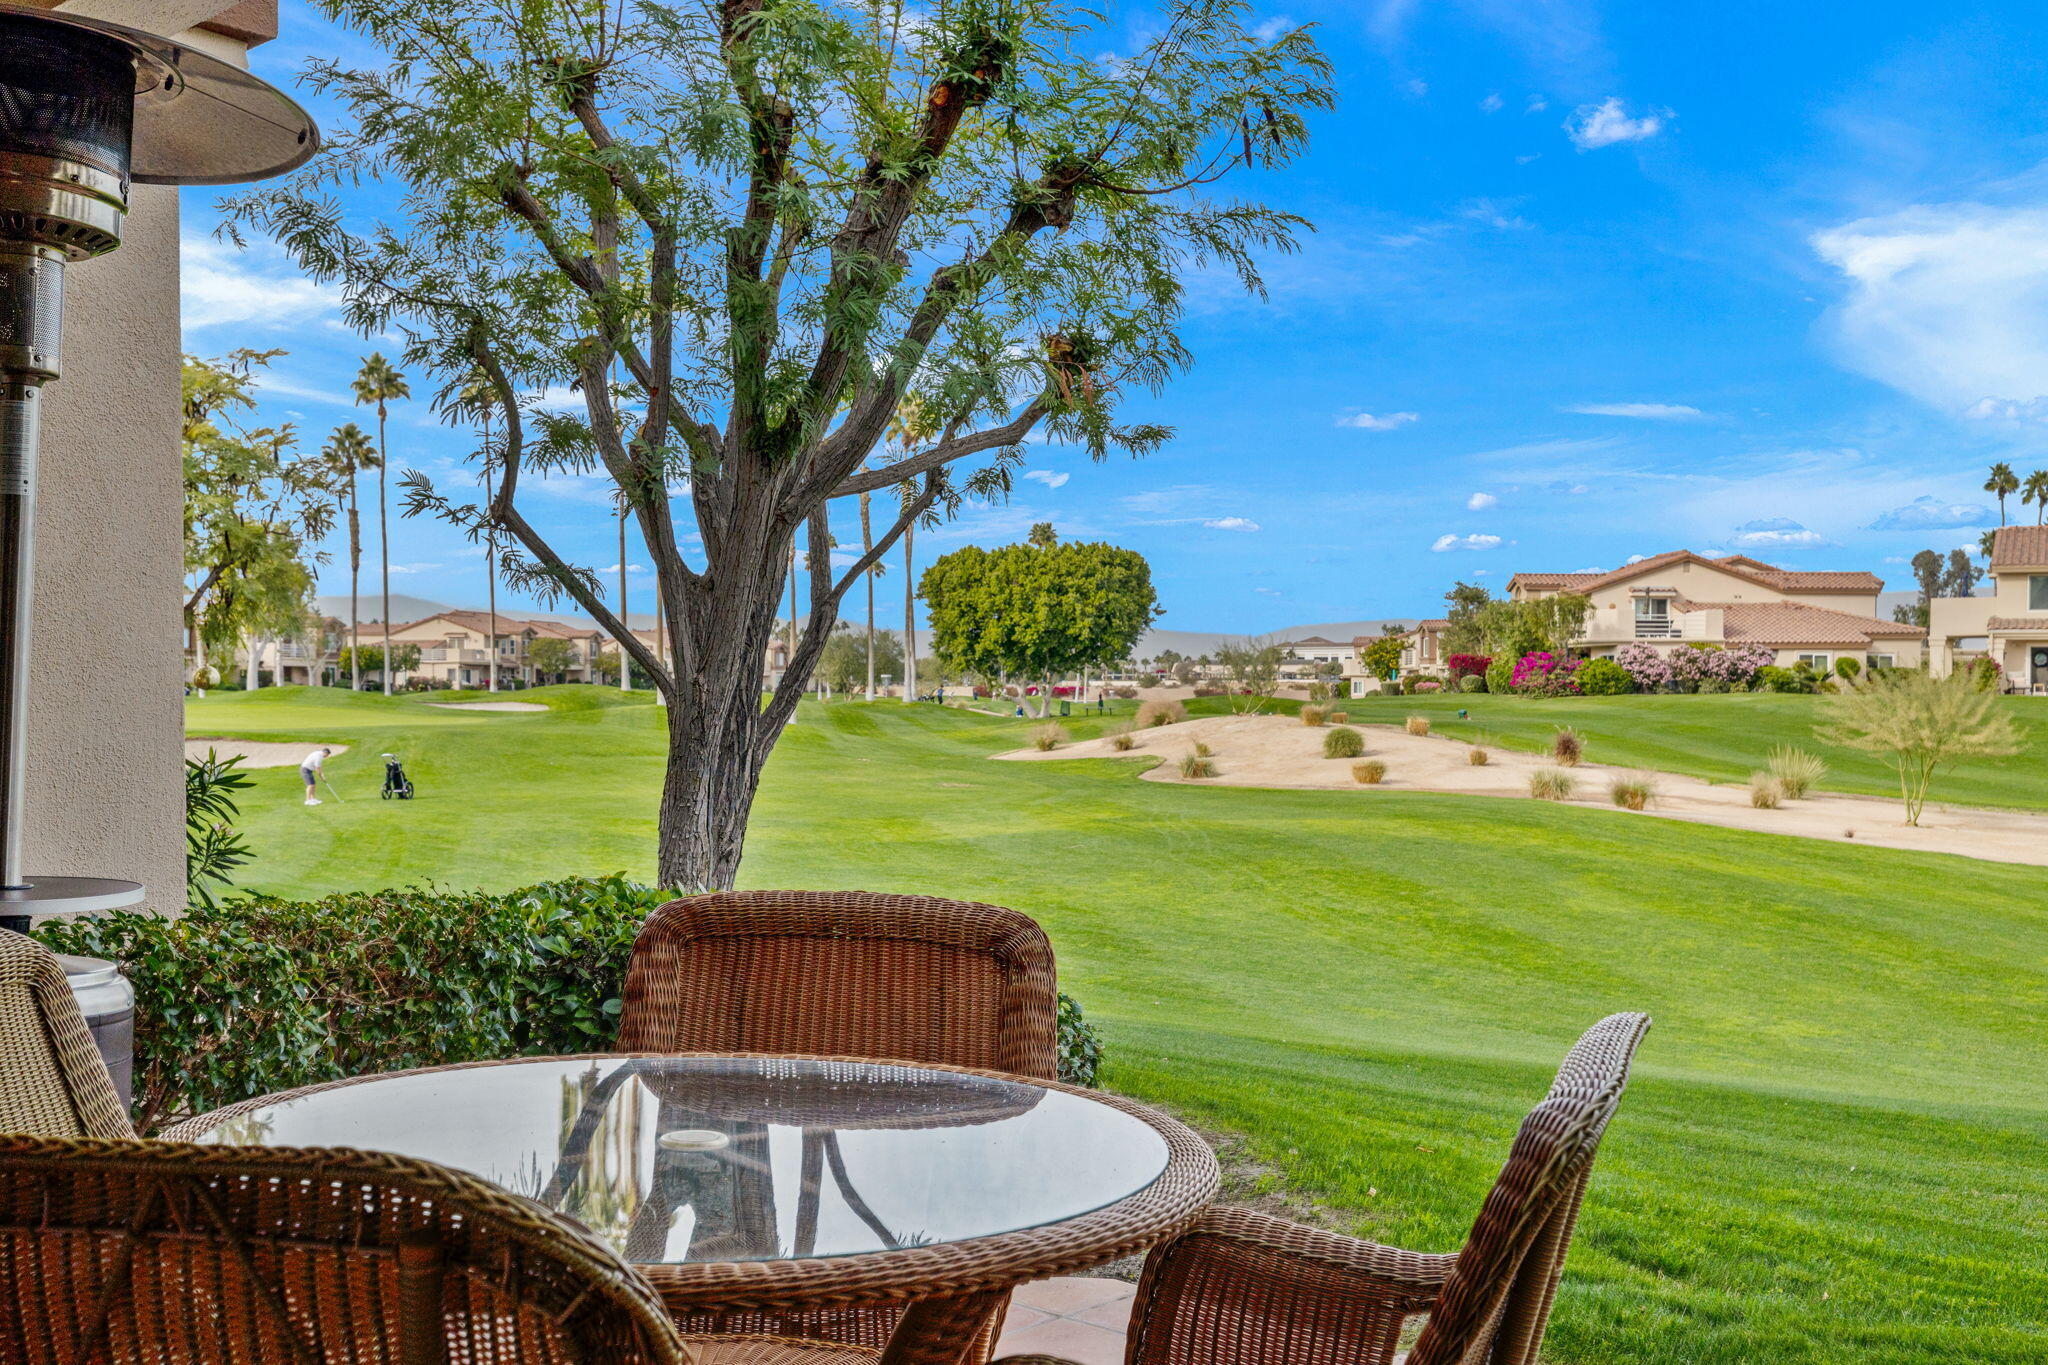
1049, 736
1369, 773
1644, 666
1463, 666
1765, 792
1156, 713
1424, 686
1125, 693
1194, 765
1543, 674
1920, 724
1847, 667
1550, 784
1472, 682
1797, 771
1343, 742
1633, 791
1123, 738
1202, 750
1567, 747
1477, 757
1604, 678
1418, 725
1312, 715
1208, 690
1339, 717
1500, 676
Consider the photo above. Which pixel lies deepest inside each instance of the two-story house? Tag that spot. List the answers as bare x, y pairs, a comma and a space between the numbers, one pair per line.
1422, 656
1680, 598
2012, 622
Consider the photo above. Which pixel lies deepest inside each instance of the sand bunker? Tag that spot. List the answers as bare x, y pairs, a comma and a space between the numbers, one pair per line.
488, 705
256, 753
1279, 751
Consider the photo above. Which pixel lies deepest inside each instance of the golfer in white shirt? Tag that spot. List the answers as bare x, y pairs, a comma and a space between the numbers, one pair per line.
309, 772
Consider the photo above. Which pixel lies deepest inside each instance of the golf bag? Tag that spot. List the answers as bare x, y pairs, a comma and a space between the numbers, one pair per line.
396, 784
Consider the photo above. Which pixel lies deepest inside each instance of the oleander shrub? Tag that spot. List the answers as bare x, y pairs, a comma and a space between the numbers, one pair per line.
1551, 784
1567, 747
1646, 668
1370, 773
1343, 742
1312, 715
1633, 791
1196, 766
1500, 676
1797, 771
1418, 725
1155, 713
1049, 736
1422, 687
1765, 791
1477, 757
1472, 682
1604, 678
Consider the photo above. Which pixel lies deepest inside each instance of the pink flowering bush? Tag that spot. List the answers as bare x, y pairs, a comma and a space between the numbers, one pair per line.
1720, 668
1426, 685
1544, 674
1645, 665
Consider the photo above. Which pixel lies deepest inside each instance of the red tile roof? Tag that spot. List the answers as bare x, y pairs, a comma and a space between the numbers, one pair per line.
2018, 545
1795, 623
1768, 575
2008, 623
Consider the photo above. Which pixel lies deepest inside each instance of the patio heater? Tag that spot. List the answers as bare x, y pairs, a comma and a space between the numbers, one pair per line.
86, 109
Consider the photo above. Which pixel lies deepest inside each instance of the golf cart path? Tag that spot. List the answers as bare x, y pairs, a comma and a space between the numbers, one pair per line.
488, 705
1279, 751
260, 753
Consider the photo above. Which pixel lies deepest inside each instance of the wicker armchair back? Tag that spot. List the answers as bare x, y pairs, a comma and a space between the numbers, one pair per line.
53, 1082
115, 1251
847, 974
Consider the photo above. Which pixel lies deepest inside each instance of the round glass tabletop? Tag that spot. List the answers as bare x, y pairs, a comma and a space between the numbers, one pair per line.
681, 1159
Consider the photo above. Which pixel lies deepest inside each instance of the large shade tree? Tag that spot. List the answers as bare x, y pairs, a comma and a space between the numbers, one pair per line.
743, 233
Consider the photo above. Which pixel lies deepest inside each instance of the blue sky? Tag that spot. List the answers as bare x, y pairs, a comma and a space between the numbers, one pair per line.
1588, 282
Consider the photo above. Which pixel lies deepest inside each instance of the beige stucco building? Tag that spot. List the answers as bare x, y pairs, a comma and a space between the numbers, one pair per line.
105, 682
2012, 623
1679, 598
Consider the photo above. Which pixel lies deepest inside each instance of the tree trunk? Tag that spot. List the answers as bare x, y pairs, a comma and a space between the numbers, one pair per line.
249, 669
625, 659
384, 544
909, 624
355, 567
867, 542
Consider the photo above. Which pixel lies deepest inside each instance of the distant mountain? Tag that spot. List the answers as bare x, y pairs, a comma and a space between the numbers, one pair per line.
1195, 643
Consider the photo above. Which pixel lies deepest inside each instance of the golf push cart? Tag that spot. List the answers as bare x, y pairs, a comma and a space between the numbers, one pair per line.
397, 786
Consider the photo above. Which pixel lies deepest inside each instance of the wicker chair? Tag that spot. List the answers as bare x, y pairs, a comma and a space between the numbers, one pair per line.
1244, 1289
847, 974
120, 1252
53, 1081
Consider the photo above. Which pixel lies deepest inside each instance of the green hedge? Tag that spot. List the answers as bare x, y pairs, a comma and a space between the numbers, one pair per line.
260, 995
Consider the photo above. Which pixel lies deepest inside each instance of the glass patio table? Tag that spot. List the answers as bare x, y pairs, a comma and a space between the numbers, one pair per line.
767, 1186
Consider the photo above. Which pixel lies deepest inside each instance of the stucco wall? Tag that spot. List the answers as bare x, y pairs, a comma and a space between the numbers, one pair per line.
105, 765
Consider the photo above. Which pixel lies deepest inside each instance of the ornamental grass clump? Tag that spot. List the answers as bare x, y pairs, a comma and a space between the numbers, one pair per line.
1312, 715
1122, 739
1551, 784
1418, 725
1797, 771
1156, 713
1765, 791
1202, 750
1477, 757
1049, 736
1567, 747
1343, 742
1633, 791
1370, 773
1197, 766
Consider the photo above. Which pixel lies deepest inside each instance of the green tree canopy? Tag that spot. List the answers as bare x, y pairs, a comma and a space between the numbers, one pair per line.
1465, 634
551, 658
844, 664
1383, 656
1038, 611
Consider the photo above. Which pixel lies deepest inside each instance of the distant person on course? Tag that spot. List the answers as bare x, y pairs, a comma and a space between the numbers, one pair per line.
309, 772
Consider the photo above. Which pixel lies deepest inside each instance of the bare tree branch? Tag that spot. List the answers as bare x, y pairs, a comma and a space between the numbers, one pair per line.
947, 451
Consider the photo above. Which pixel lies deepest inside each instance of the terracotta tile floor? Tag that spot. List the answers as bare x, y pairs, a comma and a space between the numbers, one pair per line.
1077, 1319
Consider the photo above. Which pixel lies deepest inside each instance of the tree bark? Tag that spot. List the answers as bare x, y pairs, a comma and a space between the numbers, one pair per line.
384, 542
909, 623
355, 566
867, 545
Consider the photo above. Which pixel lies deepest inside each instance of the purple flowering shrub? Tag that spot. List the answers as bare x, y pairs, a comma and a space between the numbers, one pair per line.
1543, 674
1645, 665
1723, 667
1426, 685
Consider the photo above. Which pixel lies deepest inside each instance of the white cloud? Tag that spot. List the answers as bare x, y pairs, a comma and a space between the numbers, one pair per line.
1929, 513
1451, 542
1479, 502
1269, 29
1369, 422
1634, 559
1047, 477
1652, 412
1491, 104
219, 284
1232, 524
1418, 88
1608, 122
1947, 303
1537, 104
1591, 568
1492, 214
1794, 537
415, 568
632, 569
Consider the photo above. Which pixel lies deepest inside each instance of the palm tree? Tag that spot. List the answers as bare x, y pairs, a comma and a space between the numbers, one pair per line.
476, 398
2035, 490
867, 545
1985, 542
908, 425
379, 382
348, 451
2002, 482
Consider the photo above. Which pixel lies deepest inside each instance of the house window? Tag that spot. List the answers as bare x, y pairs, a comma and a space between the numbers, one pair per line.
1819, 663
2037, 592
1883, 660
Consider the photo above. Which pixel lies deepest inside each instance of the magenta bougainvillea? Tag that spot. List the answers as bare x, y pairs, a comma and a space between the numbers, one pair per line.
1545, 674
1463, 665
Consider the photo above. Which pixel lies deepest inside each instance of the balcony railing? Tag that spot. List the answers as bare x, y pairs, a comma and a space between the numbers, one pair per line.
1657, 630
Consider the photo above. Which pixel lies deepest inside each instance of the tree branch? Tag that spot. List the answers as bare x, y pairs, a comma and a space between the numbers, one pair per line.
947, 451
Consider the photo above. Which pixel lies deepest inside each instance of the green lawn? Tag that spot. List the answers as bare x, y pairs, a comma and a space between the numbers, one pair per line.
1837, 1145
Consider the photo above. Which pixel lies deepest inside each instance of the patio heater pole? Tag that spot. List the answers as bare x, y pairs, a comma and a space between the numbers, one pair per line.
86, 110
